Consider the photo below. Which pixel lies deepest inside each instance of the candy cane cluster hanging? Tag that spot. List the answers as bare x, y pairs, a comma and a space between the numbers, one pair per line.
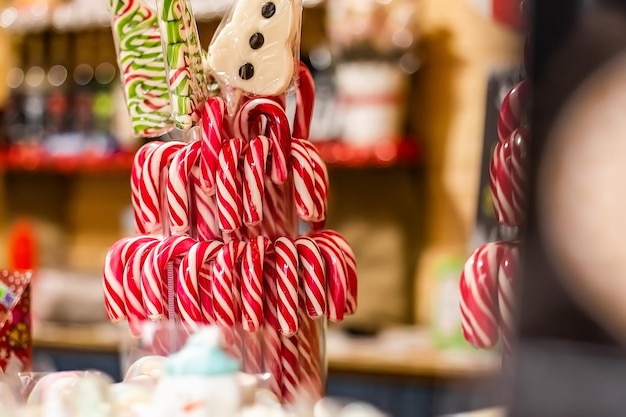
487, 281
217, 216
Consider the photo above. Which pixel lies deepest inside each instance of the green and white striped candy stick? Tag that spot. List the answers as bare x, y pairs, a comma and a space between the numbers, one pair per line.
185, 76
140, 58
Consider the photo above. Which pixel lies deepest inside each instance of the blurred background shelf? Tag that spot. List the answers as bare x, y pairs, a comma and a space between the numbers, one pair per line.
335, 153
88, 14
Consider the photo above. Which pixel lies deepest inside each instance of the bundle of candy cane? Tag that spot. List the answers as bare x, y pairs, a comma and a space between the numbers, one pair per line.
487, 298
217, 215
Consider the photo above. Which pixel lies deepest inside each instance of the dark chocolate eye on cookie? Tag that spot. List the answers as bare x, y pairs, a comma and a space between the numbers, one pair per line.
246, 71
257, 40
268, 9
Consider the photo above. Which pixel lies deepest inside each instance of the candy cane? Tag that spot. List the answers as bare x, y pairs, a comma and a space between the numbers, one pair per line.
153, 280
321, 182
212, 118
205, 209
305, 99
188, 289
133, 296
252, 283
272, 340
253, 353
229, 201
135, 183
313, 277
279, 132
501, 187
518, 173
178, 199
352, 281
506, 294
287, 283
223, 283
290, 363
309, 355
150, 186
512, 110
479, 295
336, 278
304, 180
254, 180
113, 275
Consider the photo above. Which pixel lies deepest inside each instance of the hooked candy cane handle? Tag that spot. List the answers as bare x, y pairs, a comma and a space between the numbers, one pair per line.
305, 100
136, 177
153, 273
188, 286
479, 295
313, 277
512, 110
178, 198
113, 275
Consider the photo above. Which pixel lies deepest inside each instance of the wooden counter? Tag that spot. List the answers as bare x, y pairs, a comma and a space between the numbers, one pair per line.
404, 352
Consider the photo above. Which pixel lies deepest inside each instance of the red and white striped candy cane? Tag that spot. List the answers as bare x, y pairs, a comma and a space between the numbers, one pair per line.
229, 187
254, 180
154, 273
506, 294
311, 375
287, 283
336, 278
113, 275
290, 362
223, 283
252, 283
313, 277
272, 340
205, 209
133, 296
190, 306
305, 100
500, 182
150, 187
178, 198
278, 130
212, 120
253, 353
321, 183
303, 180
136, 176
479, 295
352, 281
512, 110
518, 174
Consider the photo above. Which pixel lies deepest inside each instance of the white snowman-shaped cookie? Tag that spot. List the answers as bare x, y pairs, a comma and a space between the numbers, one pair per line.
255, 51
199, 381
